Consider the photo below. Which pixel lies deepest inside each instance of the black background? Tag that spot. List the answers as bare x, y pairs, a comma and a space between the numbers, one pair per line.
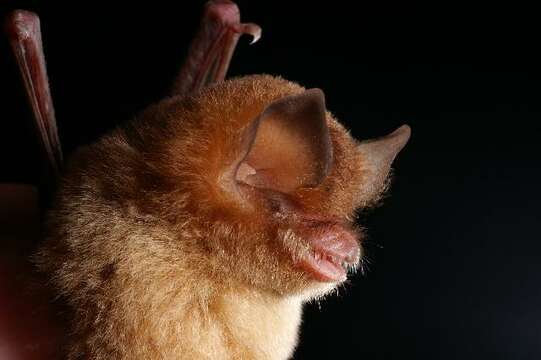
455, 263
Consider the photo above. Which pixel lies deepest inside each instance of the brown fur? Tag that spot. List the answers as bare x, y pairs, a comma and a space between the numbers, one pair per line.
157, 261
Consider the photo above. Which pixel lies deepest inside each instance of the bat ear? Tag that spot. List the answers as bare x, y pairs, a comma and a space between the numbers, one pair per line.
288, 146
378, 155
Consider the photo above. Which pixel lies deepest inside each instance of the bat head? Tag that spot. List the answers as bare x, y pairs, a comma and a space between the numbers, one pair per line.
264, 180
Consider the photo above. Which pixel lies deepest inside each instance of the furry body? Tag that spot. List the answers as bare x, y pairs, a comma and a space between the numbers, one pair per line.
158, 258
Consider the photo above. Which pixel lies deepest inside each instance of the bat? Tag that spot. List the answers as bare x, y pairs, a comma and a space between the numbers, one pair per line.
199, 229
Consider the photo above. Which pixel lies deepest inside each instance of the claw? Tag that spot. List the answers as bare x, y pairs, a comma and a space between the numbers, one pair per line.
251, 29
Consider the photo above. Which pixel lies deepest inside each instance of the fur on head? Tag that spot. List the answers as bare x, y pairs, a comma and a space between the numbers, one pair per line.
265, 179
232, 203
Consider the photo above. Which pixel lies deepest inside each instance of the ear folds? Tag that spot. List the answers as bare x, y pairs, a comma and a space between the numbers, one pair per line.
378, 155
288, 144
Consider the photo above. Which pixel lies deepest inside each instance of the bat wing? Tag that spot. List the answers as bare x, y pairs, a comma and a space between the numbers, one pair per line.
24, 33
207, 62
213, 46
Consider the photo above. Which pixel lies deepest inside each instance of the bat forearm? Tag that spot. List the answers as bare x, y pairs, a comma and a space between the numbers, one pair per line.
23, 29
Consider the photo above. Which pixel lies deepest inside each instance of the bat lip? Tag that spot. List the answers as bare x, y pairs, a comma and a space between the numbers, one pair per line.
333, 249
324, 267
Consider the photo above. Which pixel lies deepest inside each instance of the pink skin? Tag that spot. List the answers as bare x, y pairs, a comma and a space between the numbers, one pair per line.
212, 48
24, 33
333, 248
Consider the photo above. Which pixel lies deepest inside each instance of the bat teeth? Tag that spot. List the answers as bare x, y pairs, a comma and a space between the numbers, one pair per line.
349, 267
318, 256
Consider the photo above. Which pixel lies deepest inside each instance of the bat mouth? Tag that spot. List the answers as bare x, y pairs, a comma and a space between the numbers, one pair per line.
333, 249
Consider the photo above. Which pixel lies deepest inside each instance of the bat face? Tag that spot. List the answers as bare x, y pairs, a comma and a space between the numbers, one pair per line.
265, 176
174, 233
